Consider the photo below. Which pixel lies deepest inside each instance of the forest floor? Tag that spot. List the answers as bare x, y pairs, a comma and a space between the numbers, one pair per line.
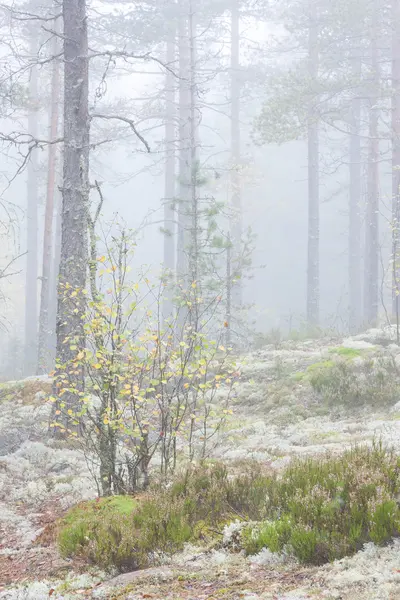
275, 419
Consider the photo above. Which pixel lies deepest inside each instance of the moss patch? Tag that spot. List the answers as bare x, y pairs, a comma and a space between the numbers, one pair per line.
349, 353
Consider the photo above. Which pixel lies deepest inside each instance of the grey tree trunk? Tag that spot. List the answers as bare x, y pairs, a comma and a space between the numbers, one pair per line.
54, 271
313, 179
44, 354
236, 201
194, 200
355, 287
75, 192
371, 270
31, 290
396, 157
184, 148
169, 182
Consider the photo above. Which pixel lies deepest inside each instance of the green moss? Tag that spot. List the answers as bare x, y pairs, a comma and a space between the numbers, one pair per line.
347, 352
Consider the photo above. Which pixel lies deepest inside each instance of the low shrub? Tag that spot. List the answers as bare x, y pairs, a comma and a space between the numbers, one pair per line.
340, 382
324, 509
128, 534
318, 509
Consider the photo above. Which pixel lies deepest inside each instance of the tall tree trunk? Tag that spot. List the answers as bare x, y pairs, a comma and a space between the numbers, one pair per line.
31, 290
184, 150
44, 354
313, 178
371, 271
194, 200
236, 201
75, 192
355, 289
55, 270
396, 158
169, 182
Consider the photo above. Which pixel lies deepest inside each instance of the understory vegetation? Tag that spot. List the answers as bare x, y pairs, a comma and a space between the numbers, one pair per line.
317, 510
339, 381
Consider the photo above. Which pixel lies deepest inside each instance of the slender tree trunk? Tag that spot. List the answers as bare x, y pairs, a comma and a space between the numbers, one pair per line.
396, 156
44, 354
236, 201
313, 179
184, 149
31, 291
194, 249
228, 313
74, 245
355, 289
169, 182
371, 286
54, 272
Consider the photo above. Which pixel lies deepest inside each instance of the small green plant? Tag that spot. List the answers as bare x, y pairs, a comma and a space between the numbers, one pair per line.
273, 535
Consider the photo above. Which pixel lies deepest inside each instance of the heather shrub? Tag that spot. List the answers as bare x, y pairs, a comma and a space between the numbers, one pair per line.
340, 382
328, 508
126, 533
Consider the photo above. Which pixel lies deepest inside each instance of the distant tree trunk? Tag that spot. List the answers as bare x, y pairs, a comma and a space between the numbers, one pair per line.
184, 148
313, 179
236, 201
355, 289
44, 355
169, 182
194, 200
54, 272
371, 271
31, 290
75, 192
396, 157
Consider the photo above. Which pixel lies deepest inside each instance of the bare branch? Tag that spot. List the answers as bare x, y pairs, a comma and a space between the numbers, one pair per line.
125, 120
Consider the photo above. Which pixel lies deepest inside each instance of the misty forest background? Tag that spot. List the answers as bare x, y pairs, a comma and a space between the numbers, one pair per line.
280, 119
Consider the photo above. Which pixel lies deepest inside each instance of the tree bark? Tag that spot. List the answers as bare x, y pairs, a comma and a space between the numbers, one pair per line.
44, 354
75, 198
236, 201
31, 290
169, 181
194, 250
184, 149
396, 157
55, 269
313, 178
355, 288
371, 286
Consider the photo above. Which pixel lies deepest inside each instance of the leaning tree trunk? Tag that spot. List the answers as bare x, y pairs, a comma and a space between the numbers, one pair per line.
396, 159
44, 354
169, 182
236, 201
371, 271
75, 192
355, 289
31, 290
313, 178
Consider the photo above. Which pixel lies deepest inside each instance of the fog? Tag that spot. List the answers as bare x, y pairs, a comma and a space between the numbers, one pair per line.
304, 76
